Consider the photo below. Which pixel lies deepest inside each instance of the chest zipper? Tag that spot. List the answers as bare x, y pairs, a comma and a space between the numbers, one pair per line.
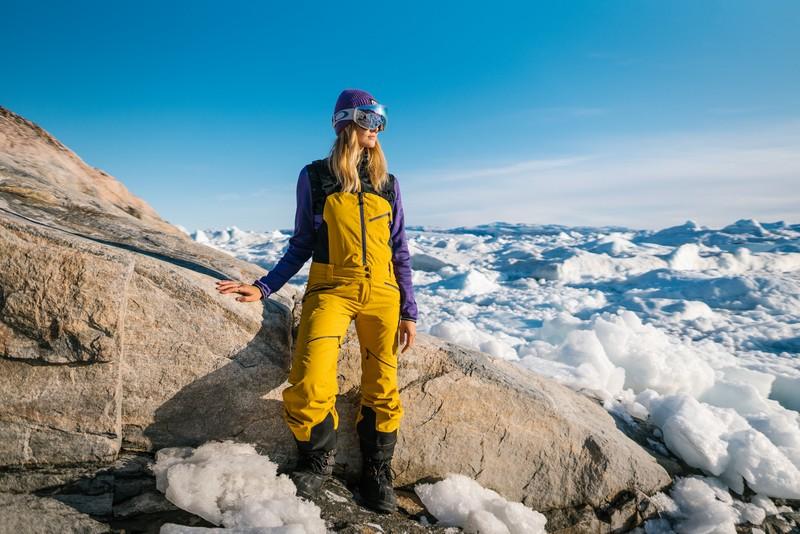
379, 216
363, 228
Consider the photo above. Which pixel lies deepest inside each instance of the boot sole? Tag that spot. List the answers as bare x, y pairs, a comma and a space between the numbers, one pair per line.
379, 507
303, 494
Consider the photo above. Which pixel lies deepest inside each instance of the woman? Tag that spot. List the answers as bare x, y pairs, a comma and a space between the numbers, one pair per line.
350, 222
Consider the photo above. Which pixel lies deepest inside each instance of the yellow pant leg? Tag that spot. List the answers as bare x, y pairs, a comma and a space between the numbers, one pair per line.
325, 317
377, 327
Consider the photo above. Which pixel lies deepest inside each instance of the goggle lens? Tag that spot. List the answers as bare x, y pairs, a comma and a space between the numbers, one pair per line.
369, 120
371, 117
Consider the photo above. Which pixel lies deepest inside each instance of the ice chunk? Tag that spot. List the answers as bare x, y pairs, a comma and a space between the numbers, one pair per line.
172, 528
723, 443
466, 333
765, 503
702, 510
766, 469
460, 501
692, 431
749, 513
230, 484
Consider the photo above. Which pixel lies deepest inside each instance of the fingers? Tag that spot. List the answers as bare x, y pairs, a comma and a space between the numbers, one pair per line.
249, 292
228, 286
228, 283
232, 289
408, 336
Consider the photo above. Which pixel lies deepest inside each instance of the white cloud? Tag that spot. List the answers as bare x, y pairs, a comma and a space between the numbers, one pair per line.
512, 169
643, 182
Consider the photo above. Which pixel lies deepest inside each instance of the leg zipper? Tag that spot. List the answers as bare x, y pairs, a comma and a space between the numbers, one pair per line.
320, 337
384, 362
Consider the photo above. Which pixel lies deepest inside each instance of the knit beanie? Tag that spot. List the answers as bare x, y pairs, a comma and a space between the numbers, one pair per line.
350, 98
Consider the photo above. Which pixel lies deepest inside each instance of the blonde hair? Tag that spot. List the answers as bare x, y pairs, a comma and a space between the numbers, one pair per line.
343, 161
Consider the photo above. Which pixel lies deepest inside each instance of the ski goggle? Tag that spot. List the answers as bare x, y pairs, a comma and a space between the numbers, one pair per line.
372, 117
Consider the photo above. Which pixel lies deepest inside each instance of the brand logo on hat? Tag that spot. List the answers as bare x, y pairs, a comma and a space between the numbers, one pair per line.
373, 101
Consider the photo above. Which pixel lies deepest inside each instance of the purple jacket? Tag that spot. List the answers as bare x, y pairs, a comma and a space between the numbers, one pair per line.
301, 247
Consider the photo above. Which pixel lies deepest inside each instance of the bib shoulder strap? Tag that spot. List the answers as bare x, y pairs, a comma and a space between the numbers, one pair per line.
323, 183
389, 190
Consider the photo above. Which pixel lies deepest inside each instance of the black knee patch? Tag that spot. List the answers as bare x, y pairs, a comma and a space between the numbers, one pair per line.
323, 437
374, 442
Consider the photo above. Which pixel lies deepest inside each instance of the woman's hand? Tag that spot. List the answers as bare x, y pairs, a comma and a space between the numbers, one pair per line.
407, 331
250, 293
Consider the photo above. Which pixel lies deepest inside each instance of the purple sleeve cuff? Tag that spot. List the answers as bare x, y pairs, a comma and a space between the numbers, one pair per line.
401, 259
301, 244
265, 290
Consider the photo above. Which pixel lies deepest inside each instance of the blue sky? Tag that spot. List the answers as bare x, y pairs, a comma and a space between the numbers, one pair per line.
636, 113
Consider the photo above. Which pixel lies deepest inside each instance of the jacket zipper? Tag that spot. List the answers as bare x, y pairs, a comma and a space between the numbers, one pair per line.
363, 228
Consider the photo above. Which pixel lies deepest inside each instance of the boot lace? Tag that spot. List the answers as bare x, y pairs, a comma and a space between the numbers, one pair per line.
320, 462
382, 470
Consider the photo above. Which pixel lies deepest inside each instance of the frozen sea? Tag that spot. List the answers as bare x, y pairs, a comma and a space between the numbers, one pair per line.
695, 329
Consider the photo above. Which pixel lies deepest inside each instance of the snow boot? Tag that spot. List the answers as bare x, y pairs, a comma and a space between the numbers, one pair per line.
377, 476
316, 459
376, 484
312, 470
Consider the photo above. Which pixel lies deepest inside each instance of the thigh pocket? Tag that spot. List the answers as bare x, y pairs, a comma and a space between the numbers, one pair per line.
322, 286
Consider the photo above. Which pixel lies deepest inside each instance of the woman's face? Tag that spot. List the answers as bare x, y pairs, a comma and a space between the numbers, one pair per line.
366, 138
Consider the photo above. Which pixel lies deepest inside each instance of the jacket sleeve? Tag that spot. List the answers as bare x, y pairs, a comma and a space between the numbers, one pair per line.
401, 259
301, 244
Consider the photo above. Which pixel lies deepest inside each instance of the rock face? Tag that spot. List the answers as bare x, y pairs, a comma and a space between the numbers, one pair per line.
53, 174
21, 512
113, 339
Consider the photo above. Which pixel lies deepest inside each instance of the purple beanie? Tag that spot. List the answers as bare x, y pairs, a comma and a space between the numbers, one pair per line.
350, 98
